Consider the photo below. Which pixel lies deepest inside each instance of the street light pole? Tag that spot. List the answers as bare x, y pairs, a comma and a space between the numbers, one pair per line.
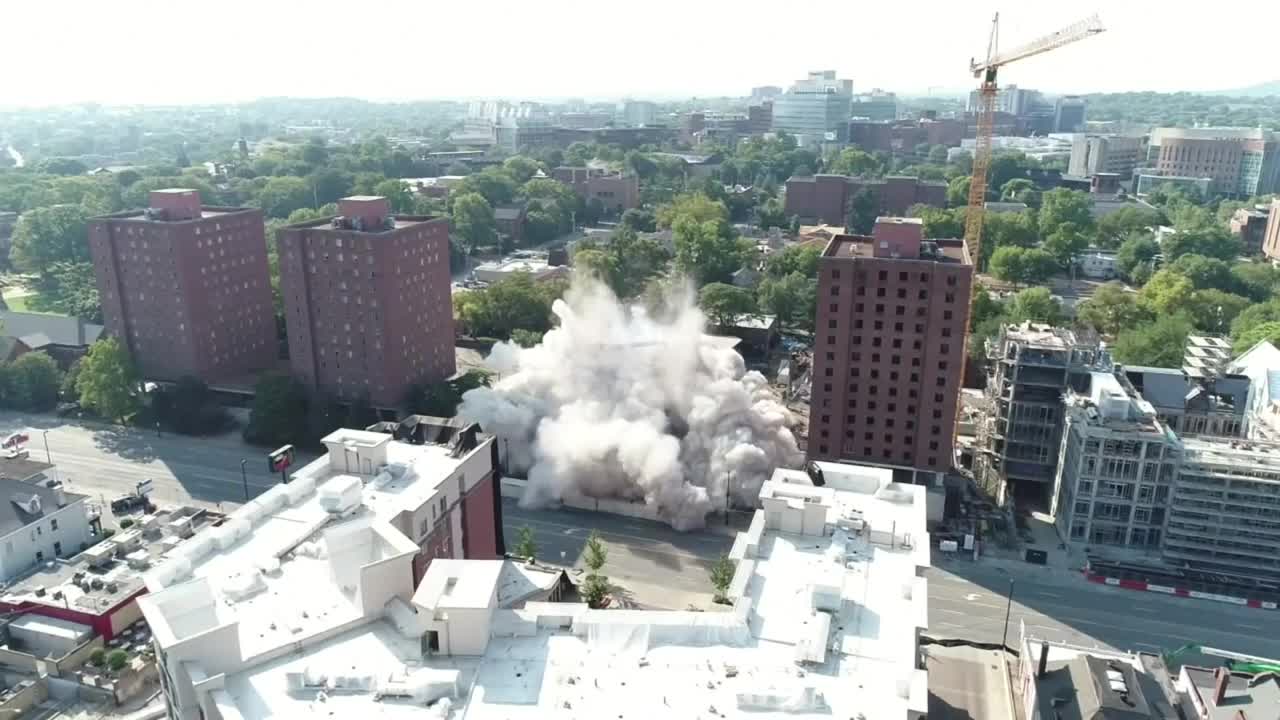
244, 478
728, 480
48, 457
1004, 641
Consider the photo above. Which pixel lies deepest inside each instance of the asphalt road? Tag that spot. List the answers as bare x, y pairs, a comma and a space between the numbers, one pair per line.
969, 601
655, 566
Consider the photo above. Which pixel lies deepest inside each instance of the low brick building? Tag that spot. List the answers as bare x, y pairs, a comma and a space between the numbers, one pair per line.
826, 198
615, 191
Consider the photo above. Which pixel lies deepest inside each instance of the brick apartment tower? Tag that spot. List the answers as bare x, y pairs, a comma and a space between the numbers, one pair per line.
888, 350
367, 300
186, 287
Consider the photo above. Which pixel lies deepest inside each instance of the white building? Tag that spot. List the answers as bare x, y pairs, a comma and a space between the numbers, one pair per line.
828, 606
38, 523
496, 270
1261, 364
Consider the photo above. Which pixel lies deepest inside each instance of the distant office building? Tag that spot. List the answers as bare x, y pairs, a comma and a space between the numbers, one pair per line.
760, 118
1010, 99
764, 93
638, 113
891, 320
1030, 367
1069, 114
1271, 240
1241, 162
616, 192
872, 135
1250, 225
816, 109
876, 105
367, 301
185, 287
1093, 154
826, 198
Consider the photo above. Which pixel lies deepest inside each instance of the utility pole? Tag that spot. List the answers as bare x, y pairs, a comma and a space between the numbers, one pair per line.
728, 481
48, 457
244, 478
1004, 641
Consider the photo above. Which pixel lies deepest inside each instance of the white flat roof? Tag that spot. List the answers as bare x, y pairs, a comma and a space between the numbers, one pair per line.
56, 627
775, 654
267, 566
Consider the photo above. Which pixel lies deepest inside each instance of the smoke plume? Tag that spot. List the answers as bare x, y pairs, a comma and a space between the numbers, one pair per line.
617, 403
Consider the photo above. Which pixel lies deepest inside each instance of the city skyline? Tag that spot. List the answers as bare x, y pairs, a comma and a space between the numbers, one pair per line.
320, 54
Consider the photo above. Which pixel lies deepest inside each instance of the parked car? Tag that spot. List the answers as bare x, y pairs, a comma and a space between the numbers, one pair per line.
129, 503
16, 453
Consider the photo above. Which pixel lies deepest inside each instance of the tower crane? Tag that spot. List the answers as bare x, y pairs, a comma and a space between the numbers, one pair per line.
986, 70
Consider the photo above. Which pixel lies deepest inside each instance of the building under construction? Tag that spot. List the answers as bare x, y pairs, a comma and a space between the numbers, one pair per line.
1031, 366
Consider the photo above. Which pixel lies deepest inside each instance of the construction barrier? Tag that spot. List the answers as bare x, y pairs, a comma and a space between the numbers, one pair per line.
1179, 592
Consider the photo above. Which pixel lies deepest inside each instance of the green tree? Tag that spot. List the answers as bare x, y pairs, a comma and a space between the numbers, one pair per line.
861, 219
640, 220
282, 195
1253, 316
708, 251
279, 414
958, 192
49, 235
1035, 305
724, 303
792, 298
802, 259
441, 398
330, 185
520, 168
1010, 190
32, 382
116, 660
595, 553
473, 220
695, 207
855, 162
721, 577
1022, 266
189, 408
68, 288
107, 381
1114, 228
1205, 273
509, 304
1111, 310
1167, 292
1135, 252
1201, 238
525, 546
595, 589
940, 223
1157, 344
526, 338
1256, 280
397, 194
496, 186
1065, 243
1213, 310
1061, 206
1268, 331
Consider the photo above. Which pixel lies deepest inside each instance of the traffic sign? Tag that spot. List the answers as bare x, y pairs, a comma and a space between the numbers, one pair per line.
144, 487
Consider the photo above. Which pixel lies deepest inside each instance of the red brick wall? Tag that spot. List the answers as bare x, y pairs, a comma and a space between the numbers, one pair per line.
479, 541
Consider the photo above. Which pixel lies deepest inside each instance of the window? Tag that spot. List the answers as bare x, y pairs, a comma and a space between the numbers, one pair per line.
897, 344
946, 314
857, 324
942, 365
944, 348
835, 274
53, 524
911, 425
831, 356
900, 311
897, 327
946, 332
895, 359
833, 307
862, 291
826, 418
951, 280
831, 324
829, 372
826, 387
919, 328
822, 449
879, 325
884, 275
933, 444
835, 289
875, 341
924, 277
857, 307
867, 436
831, 339
879, 292
879, 309
857, 340
902, 293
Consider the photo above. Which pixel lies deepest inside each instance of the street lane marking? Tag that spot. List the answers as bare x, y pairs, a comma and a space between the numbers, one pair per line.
950, 612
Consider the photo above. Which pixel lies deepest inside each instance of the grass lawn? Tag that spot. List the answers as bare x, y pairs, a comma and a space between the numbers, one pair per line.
17, 298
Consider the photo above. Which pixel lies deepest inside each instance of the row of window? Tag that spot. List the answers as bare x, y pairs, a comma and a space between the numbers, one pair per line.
883, 276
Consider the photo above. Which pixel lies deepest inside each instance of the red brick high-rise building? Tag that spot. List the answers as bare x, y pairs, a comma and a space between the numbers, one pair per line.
186, 287
888, 347
367, 300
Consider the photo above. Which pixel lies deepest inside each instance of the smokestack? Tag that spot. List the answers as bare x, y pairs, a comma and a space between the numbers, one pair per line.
1221, 678
1044, 660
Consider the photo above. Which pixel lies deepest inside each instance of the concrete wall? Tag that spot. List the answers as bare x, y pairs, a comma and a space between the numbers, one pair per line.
24, 700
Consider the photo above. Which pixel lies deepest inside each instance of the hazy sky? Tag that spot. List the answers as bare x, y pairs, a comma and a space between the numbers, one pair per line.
180, 51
